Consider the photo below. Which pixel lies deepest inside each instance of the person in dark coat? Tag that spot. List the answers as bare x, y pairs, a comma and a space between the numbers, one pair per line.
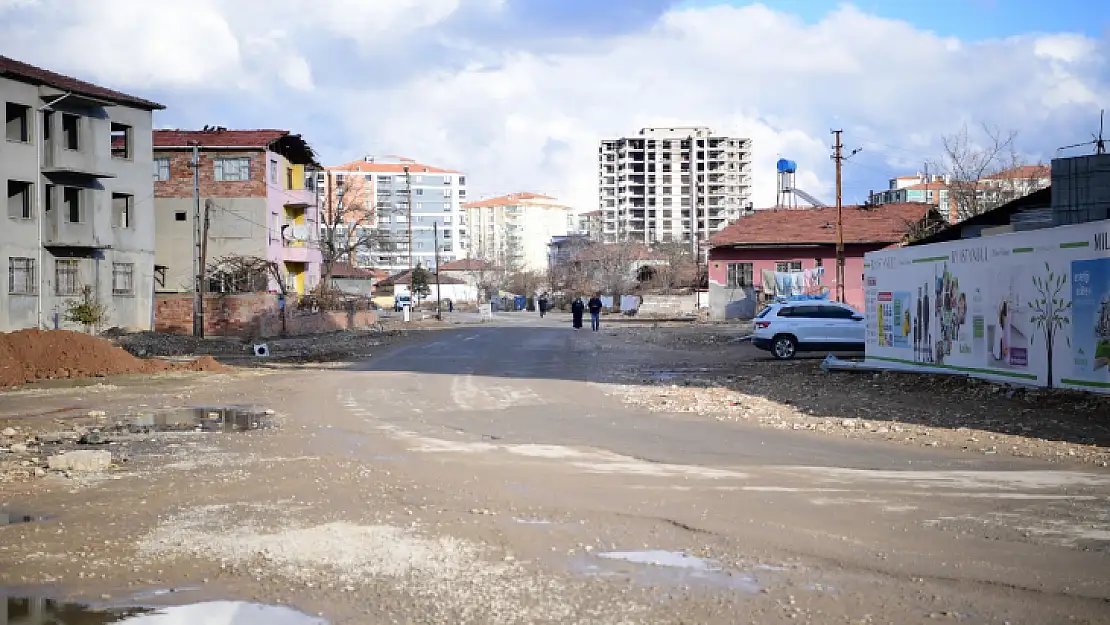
595, 307
576, 309
542, 305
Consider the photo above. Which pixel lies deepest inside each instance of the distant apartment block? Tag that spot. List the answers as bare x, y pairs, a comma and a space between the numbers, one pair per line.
958, 200
590, 225
384, 186
258, 189
514, 231
76, 162
672, 184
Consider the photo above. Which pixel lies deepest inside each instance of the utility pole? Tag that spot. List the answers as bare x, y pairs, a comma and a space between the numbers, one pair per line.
839, 158
435, 237
204, 255
198, 302
408, 187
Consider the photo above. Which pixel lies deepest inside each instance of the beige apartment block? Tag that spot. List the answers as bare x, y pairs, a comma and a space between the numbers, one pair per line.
514, 231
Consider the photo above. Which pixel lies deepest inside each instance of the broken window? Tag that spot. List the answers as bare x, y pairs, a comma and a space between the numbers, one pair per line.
19, 199
123, 278
71, 131
72, 205
232, 169
121, 141
66, 274
21, 276
122, 205
17, 122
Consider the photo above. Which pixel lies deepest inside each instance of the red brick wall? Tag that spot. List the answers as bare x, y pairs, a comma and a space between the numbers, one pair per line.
250, 315
180, 184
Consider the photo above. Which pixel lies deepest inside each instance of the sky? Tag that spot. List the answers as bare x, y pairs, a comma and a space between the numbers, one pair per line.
517, 93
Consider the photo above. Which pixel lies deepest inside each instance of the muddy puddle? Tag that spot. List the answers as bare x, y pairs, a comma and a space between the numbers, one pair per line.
225, 419
43, 611
9, 517
662, 568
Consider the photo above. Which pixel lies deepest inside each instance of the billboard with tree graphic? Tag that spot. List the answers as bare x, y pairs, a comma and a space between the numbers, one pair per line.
1028, 307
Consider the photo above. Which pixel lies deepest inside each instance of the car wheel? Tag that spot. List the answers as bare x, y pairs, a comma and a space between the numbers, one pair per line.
783, 347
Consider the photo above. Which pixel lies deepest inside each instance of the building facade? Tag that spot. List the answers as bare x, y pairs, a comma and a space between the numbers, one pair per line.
959, 200
384, 186
258, 190
513, 231
76, 161
672, 184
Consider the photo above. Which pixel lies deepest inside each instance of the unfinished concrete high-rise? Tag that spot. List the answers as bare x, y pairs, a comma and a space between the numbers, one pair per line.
677, 184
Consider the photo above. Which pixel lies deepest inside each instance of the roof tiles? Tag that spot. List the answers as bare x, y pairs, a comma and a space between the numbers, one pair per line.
887, 223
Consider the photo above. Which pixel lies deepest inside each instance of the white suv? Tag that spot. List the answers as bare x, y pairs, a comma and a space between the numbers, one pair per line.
788, 328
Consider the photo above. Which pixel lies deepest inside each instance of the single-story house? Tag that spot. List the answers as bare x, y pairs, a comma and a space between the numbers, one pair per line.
796, 240
450, 288
351, 280
469, 270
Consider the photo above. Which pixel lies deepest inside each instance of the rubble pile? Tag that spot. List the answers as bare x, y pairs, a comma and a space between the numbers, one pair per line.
30, 355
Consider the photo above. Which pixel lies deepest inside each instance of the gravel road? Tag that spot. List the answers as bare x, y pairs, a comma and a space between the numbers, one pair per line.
521, 472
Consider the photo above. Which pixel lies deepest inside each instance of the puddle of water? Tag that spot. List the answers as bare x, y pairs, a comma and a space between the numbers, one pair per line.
224, 419
658, 567
8, 517
41, 611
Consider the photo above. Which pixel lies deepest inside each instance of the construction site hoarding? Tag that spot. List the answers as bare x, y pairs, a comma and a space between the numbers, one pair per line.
1028, 308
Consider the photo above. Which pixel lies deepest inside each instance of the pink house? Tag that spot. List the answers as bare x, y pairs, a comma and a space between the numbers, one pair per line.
793, 240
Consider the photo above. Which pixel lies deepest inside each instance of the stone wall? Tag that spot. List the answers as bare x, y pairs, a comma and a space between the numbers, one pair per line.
251, 315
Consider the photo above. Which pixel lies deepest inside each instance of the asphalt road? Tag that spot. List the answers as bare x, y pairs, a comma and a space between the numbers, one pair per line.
488, 474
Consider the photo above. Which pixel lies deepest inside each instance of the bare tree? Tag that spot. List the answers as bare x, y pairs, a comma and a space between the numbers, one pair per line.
614, 265
243, 274
680, 270
349, 229
985, 172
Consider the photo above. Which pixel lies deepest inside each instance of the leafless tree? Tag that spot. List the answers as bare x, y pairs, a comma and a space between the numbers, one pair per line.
348, 226
614, 266
243, 274
984, 172
680, 270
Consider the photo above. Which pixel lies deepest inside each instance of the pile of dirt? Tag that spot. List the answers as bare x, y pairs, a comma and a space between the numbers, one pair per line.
29, 355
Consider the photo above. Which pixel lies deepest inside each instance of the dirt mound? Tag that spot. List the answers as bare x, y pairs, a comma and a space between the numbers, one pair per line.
29, 355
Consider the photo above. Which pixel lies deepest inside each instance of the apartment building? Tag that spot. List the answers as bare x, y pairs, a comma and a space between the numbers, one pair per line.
257, 188
76, 161
672, 184
514, 231
384, 186
958, 200
590, 225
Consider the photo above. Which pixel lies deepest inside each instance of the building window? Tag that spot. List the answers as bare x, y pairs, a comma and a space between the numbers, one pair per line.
71, 131
232, 169
288, 177
179, 216
17, 122
123, 278
72, 205
788, 266
21, 276
19, 199
462, 180
122, 205
65, 277
121, 141
418, 191
273, 171
161, 169
739, 275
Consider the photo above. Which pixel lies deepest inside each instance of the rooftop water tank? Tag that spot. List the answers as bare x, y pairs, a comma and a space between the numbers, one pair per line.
786, 167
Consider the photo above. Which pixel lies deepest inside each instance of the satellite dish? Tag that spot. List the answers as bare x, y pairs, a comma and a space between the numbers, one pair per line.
300, 233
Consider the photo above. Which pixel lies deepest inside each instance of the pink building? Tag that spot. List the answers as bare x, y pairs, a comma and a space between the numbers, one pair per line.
797, 240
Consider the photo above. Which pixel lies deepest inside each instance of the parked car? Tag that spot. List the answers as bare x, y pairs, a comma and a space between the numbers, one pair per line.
784, 329
400, 301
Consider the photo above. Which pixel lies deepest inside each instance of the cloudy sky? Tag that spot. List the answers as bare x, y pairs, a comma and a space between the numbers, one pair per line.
517, 93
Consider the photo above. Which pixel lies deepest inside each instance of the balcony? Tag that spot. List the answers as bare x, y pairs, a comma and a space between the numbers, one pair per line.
70, 218
71, 144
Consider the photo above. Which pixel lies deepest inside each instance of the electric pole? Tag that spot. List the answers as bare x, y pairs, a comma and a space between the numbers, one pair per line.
408, 187
204, 256
198, 302
839, 158
435, 238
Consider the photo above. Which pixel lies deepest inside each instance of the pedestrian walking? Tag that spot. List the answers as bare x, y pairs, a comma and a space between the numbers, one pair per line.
542, 305
595, 307
450, 306
577, 307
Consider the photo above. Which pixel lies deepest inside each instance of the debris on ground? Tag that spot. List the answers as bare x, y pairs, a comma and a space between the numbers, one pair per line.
30, 355
327, 347
739, 383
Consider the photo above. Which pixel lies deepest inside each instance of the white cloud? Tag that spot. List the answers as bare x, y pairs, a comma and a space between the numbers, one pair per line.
528, 116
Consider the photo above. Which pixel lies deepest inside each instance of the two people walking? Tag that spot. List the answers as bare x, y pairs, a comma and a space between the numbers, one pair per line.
578, 307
